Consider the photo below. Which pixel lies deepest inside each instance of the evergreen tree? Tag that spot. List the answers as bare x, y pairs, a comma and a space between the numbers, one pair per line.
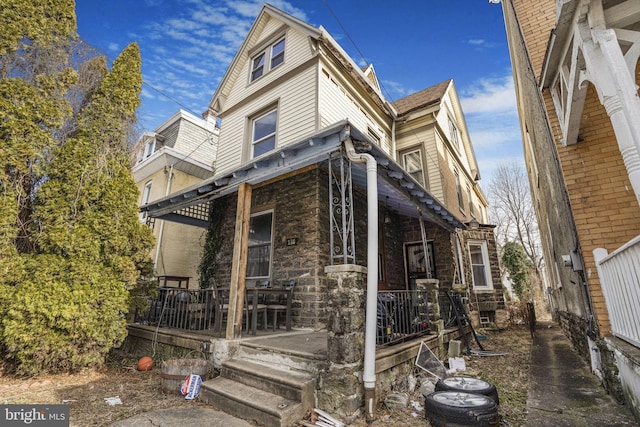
518, 265
71, 244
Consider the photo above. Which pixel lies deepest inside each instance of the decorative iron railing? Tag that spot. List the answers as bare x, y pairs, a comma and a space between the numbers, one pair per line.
620, 281
401, 315
188, 309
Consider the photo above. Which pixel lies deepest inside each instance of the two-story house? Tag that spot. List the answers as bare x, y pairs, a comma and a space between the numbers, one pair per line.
576, 75
322, 181
179, 153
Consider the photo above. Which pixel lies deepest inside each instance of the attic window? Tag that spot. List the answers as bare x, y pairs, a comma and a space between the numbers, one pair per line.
257, 69
270, 57
277, 54
453, 129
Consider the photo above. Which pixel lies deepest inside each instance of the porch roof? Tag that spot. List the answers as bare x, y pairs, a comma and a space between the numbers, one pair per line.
396, 188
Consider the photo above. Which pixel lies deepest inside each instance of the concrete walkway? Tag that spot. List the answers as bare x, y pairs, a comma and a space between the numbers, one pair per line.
192, 417
562, 389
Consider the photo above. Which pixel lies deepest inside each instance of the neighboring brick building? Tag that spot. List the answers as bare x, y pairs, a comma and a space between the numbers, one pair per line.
576, 75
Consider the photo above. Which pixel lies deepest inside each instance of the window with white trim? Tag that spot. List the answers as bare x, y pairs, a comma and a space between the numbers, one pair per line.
270, 57
146, 193
459, 190
480, 267
260, 245
149, 147
412, 163
453, 130
469, 196
263, 133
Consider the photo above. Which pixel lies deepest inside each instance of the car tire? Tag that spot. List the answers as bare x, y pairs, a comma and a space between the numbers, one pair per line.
469, 385
457, 409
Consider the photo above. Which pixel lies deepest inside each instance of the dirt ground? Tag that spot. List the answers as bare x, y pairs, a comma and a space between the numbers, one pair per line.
141, 391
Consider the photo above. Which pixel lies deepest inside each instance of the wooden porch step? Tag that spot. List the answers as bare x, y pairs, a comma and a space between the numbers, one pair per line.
244, 401
286, 383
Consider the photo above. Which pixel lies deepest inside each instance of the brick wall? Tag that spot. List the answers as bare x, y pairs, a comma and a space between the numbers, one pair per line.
596, 206
537, 19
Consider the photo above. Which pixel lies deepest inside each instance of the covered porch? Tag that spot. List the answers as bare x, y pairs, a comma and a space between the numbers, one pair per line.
368, 248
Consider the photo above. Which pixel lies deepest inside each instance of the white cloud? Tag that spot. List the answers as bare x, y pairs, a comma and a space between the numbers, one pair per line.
113, 47
490, 96
489, 106
476, 41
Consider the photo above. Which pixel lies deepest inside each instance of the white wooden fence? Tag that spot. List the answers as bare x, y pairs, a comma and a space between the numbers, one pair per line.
619, 274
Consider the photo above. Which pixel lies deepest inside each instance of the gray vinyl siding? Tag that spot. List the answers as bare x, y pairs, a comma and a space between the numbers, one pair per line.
198, 141
171, 134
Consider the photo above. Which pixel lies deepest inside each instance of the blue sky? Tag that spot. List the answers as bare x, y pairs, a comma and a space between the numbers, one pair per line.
187, 45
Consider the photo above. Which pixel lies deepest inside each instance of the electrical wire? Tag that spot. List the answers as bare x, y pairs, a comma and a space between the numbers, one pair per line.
411, 128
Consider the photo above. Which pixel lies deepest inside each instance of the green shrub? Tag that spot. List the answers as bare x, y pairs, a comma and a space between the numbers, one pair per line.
62, 315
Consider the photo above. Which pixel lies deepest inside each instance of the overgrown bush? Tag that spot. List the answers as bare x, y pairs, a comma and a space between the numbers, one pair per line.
61, 315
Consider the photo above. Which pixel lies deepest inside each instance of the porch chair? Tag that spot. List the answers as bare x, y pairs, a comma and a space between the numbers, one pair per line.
220, 303
280, 305
260, 308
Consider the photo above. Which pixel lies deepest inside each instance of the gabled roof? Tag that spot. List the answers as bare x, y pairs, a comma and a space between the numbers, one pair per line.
266, 12
371, 75
426, 97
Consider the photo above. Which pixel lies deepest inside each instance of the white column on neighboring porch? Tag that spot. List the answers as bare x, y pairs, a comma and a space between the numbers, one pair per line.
615, 84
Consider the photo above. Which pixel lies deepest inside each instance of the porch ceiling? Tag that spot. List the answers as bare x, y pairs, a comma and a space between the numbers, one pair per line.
395, 187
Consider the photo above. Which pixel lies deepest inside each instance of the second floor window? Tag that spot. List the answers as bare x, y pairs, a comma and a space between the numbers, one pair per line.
412, 163
267, 60
471, 211
263, 137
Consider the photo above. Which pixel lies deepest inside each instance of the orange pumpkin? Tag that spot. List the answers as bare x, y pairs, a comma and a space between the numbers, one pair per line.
145, 363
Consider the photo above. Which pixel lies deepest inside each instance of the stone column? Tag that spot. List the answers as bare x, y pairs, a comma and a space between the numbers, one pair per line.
341, 391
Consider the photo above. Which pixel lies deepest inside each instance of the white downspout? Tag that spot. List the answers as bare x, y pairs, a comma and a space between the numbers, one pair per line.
166, 193
393, 141
369, 375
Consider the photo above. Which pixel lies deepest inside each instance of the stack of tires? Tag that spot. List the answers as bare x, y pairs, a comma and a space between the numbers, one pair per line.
462, 401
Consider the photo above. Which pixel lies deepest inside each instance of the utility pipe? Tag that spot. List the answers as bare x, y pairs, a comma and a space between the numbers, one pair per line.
369, 375
160, 232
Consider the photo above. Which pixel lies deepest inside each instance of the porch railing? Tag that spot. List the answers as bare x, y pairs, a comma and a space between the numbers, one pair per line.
401, 315
620, 281
189, 309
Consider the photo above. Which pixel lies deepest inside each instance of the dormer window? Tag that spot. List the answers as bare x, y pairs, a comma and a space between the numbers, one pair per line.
149, 143
149, 147
271, 57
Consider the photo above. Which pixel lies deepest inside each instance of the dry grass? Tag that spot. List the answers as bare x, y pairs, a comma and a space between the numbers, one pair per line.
85, 392
142, 391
